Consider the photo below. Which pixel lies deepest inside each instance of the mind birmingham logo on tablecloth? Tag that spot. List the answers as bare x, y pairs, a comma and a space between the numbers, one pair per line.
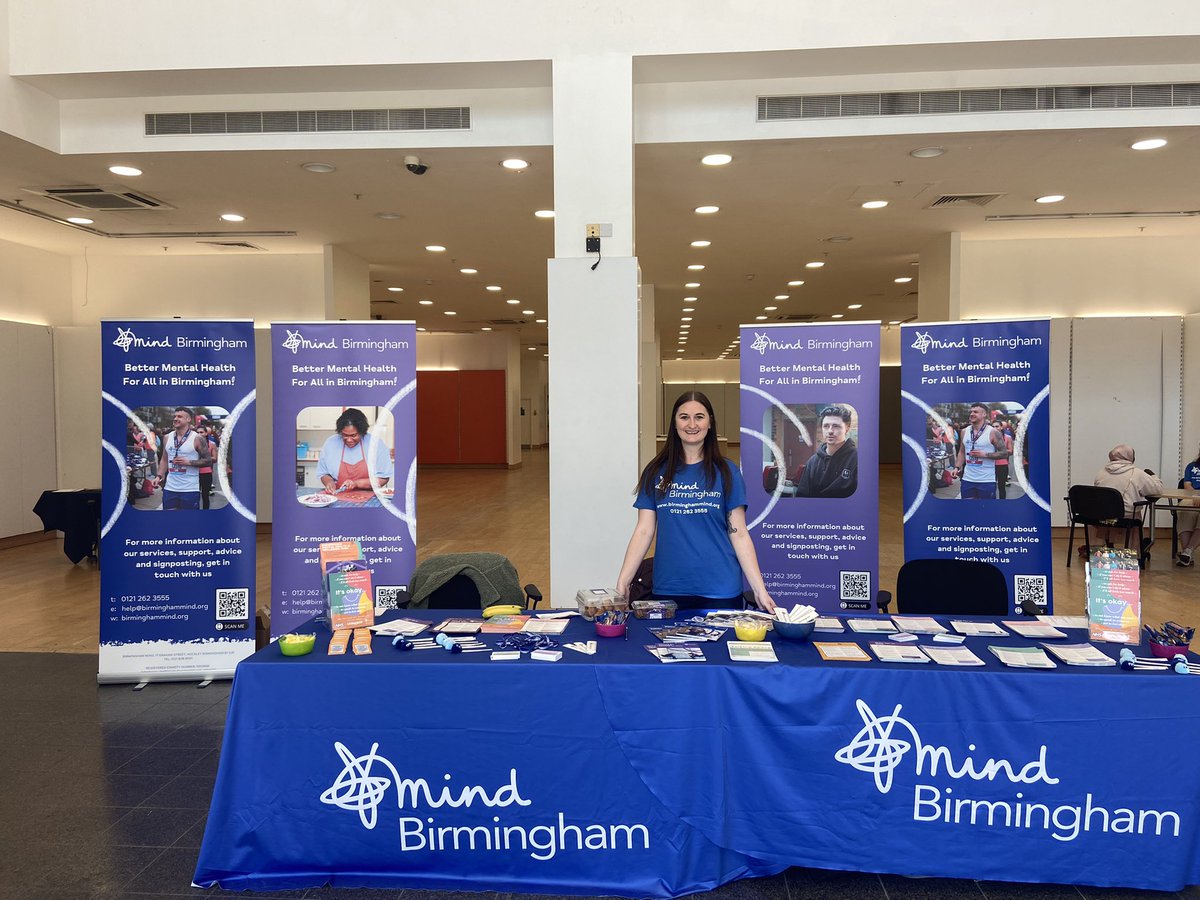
357, 789
883, 742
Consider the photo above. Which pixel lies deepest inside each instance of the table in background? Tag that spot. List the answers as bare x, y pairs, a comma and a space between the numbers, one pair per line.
76, 513
618, 774
1173, 496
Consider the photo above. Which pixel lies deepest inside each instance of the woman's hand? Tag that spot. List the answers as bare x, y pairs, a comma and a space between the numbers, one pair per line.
765, 603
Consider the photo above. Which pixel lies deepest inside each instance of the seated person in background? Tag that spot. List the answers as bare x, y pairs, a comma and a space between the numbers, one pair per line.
833, 470
1188, 522
1134, 484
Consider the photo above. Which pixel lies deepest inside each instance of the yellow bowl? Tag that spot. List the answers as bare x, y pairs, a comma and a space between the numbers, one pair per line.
750, 631
297, 644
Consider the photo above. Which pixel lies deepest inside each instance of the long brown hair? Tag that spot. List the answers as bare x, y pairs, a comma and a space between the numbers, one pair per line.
670, 459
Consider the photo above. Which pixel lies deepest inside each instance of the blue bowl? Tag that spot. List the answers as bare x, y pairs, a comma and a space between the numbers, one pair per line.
794, 631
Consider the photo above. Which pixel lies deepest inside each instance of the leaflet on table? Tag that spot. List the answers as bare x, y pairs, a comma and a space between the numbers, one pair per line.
810, 457
953, 656
829, 625
978, 629
751, 651
919, 624
975, 421
1114, 604
673, 634
1034, 630
671, 653
363, 376
841, 651
898, 653
459, 626
1065, 621
1080, 655
1023, 657
504, 624
177, 530
402, 627
546, 626
872, 626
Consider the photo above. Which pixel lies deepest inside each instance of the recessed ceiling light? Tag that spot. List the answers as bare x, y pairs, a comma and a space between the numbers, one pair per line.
493, 287
389, 216
760, 318
690, 299
232, 217
318, 168
486, 328
701, 243
782, 296
707, 210
689, 309
795, 283
449, 312
770, 308
684, 327
512, 302
132, 172
419, 328
527, 312
685, 318
80, 220
425, 302
927, 152
533, 348
396, 290
717, 159
904, 279
695, 267
544, 213
692, 284
540, 321
894, 322
875, 204
435, 248
854, 306
838, 316
681, 351
815, 264
1149, 144
515, 165
1051, 198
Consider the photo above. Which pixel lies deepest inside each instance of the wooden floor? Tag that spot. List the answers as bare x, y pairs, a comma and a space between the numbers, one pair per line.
47, 604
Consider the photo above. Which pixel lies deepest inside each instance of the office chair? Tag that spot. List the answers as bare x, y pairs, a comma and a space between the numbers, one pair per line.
1097, 507
949, 587
465, 580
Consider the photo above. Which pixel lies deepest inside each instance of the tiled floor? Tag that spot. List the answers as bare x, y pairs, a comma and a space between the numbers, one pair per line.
104, 792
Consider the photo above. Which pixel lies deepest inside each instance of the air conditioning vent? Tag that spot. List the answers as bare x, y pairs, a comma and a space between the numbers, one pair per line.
233, 245
963, 200
977, 100
797, 317
303, 121
507, 322
98, 197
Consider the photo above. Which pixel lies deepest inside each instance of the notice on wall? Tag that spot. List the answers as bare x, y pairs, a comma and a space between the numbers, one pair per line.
810, 458
177, 547
975, 416
345, 465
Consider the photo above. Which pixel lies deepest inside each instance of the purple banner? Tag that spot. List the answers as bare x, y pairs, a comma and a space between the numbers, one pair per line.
810, 457
345, 460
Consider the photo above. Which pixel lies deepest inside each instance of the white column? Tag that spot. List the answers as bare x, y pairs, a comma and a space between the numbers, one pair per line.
940, 284
593, 328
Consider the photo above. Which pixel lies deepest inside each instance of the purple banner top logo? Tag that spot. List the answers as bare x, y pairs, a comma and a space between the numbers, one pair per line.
762, 343
926, 342
126, 339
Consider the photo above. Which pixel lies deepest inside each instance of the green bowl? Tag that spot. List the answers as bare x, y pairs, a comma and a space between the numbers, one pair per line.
297, 644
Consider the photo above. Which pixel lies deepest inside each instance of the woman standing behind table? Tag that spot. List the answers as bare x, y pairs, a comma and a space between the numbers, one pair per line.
696, 501
347, 455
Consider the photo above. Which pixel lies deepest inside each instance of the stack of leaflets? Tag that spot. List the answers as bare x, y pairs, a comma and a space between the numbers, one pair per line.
898, 653
1023, 657
459, 626
1080, 655
872, 626
686, 634
546, 626
403, 627
829, 624
670, 653
751, 651
1035, 630
1065, 621
953, 656
918, 624
504, 624
978, 629
841, 651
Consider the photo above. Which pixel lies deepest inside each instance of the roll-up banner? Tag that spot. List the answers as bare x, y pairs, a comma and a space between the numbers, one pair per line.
345, 457
177, 539
810, 457
976, 421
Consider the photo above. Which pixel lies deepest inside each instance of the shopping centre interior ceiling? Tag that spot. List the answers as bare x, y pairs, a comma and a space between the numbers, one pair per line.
780, 203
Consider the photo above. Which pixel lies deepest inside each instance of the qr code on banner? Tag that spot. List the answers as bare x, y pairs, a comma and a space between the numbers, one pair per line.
856, 586
388, 596
1030, 587
233, 604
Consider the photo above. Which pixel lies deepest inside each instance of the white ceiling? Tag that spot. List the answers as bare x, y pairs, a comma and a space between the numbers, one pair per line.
779, 201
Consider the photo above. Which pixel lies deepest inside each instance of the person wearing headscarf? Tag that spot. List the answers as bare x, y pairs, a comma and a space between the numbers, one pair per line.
1133, 483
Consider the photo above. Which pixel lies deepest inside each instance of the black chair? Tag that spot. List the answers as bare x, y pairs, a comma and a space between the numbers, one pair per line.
1103, 507
460, 590
949, 587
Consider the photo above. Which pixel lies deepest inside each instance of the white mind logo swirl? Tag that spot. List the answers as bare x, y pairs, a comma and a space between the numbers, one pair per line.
125, 338
760, 343
294, 341
874, 749
355, 788
923, 342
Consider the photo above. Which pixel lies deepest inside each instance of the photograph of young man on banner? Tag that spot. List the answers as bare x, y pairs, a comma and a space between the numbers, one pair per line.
170, 452
975, 463
829, 469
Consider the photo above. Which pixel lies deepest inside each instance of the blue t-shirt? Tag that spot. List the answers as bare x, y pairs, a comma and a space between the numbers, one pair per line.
1191, 472
693, 555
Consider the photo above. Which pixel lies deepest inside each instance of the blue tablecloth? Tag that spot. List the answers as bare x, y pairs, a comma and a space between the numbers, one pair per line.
617, 774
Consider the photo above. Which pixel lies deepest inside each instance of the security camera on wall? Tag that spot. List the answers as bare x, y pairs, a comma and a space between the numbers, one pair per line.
414, 165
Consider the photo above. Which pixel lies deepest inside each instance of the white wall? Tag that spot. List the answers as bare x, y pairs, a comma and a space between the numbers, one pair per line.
35, 285
77, 405
534, 388
27, 411
347, 285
